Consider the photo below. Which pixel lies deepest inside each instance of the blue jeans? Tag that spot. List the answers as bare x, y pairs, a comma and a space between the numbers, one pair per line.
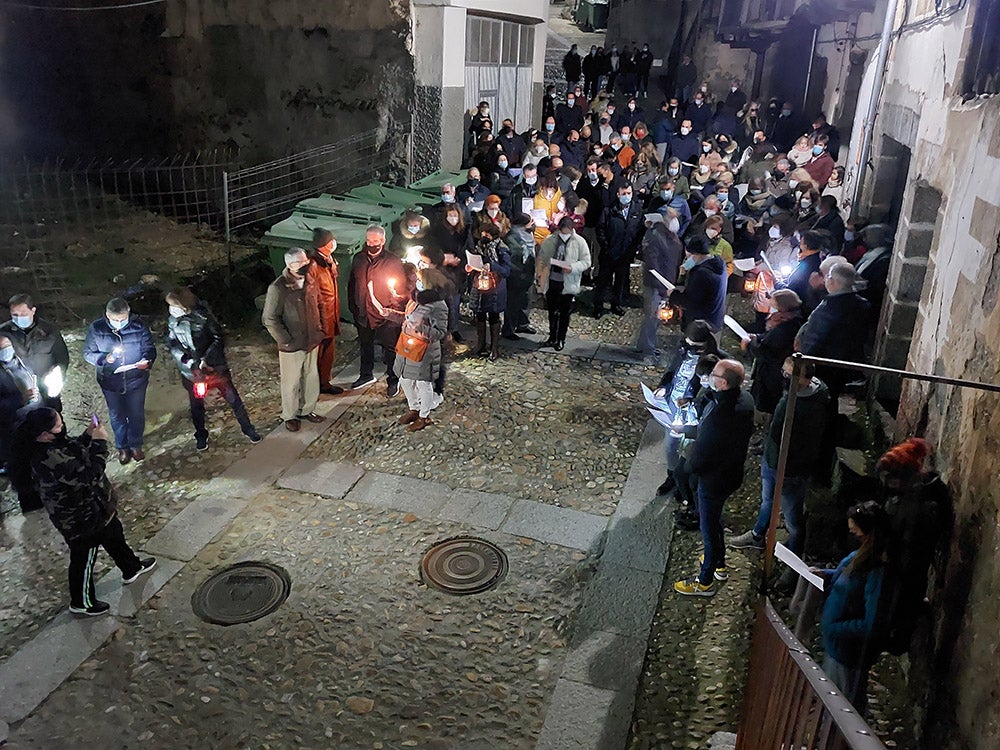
712, 535
793, 495
127, 413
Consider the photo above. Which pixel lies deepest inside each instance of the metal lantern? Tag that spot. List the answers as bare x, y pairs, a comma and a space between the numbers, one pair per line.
485, 282
749, 283
666, 312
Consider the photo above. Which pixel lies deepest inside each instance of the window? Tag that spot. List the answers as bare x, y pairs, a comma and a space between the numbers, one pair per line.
981, 74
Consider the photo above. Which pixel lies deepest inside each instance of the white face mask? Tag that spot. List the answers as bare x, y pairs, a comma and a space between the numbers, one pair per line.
412, 228
774, 233
703, 169
531, 180
492, 212
710, 212
176, 312
685, 131
711, 233
805, 203
792, 184
565, 235
674, 225
453, 220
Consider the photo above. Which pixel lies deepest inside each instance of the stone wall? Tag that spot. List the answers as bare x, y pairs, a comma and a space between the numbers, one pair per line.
270, 78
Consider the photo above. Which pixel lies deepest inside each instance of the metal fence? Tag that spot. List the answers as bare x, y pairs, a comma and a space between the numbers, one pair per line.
789, 702
268, 191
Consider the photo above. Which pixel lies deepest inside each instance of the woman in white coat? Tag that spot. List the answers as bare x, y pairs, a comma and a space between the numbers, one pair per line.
561, 261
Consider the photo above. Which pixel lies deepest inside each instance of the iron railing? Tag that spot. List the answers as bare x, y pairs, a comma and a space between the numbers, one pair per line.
789, 702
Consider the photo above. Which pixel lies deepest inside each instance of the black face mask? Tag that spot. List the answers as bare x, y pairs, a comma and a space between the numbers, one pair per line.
303, 270
472, 182
373, 249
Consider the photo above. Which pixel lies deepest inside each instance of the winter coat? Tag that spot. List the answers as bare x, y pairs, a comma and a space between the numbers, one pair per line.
41, 348
685, 148
380, 270
196, 342
135, 343
568, 118
820, 168
430, 319
850, 612
495, 300
770, 350
812, 407
68, 474
291, 315
836, 329
704, 295
661, 251
453, 243
577, 254
620, 231
699, 116
502, 182
798, 282
720, 450
323, 273
572, 65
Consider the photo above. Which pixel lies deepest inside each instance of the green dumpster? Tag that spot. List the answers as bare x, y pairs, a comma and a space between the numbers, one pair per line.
592, 14
434, 181
297, 231
381, 192
348, 208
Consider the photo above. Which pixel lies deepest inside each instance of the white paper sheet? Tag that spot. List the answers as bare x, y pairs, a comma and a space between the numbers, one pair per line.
735, 327
126, 368
656, 275
563, 264
652, 399
477, 206
745, 264
527, 205
476, 261
794, 562
663, 419
654, 218
539, 216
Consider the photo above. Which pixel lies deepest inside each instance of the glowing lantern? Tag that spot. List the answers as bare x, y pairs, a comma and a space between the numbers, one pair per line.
200, 389
749, 283
666, 312
485, 282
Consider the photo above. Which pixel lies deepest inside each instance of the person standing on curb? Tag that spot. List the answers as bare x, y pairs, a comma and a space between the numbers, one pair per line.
41, 347
717, 459
69, 474
291, 315
195, 341
323, 272
121, 347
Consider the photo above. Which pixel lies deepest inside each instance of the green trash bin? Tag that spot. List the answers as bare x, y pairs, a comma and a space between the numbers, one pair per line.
592, 14
347, 208
434, 181
381, 192
297, 231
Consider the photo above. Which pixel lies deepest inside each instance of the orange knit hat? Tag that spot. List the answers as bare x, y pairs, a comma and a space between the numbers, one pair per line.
905, 458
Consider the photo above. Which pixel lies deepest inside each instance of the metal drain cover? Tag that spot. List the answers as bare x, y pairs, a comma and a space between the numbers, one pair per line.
241, 593
463, 565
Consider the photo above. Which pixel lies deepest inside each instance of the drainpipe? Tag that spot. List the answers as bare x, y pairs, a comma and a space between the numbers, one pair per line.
869, 129
809, 71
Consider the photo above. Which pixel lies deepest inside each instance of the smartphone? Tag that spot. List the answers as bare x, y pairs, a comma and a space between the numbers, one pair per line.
94, 421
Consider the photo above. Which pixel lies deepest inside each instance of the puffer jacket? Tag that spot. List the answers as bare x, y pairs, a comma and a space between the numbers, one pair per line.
429, 318
132, 343
577, 254
196, 342
69, 476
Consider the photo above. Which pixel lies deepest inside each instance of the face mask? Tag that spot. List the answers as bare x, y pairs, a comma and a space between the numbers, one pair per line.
666, 194
593, 178
704, 380
453, 220
774, 233
420, 285
674, 225
711, 233
758, 140
492, 212
688, 264
616, 146
848, 236
550, 126
706, 149
473, 181
531, 180
673, 171
570, 102
7, 354
117, 325
805, 203
698, 102
755, 191
712, 386
733, 89
565, 235
723, 197
412, 228
817, 150
792, 184
22, 321
710, 212
685, 131
485, 112
373, 249
631, 107
502, 164
303, 270
786, 112
703, 169
624, 199
447, 198
176, 312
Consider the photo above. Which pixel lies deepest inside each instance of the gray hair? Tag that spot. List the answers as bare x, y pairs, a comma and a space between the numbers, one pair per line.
829, 262
376, 228
117, 306
447, 188
292, 254
845, 275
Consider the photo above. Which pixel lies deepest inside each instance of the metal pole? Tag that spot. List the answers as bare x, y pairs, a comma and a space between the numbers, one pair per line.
809, 70
869, 129
844, 364
779, 479
225, 214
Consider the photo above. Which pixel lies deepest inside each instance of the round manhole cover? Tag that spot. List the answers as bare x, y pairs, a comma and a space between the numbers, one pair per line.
241, 593
464, 565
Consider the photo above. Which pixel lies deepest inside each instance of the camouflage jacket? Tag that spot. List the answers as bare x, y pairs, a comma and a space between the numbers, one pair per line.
69, 476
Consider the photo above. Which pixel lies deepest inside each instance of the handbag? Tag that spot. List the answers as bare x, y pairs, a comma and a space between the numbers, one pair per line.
412, 345
485, 281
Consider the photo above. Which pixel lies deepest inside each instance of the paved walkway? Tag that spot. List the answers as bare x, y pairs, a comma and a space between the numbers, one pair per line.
591, 706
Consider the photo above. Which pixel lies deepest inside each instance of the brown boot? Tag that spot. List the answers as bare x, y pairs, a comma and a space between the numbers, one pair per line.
481, 337
494, 342
419, 423
410, 416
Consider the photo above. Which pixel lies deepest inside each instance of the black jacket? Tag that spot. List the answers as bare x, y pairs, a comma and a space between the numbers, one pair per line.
381, 270
837, 329
41, 347
662, 251
704, 294
770, 350
572, 65
621, 230
196, 342
568, 118
812, 407
798, 282
720, 450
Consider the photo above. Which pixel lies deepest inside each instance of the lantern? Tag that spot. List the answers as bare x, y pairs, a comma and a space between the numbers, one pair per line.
485, 282
749, 283
666, 312
200, 389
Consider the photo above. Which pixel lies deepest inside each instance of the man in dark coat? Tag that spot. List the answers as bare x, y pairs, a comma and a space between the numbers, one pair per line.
568, 117
572, 66
619, 235
376, 295
120, 346
17, 391
810, 244
687, 77
787, 128
591, 69
684, 145
41, 347
704, 294
643, 64
292, 317
716, 459
699, 112
661, 252
736, 99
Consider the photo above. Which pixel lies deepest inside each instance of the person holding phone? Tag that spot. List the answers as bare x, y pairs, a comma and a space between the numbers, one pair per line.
121, 347
69, 476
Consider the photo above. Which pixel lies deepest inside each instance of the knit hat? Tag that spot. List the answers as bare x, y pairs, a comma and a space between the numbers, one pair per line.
904, 459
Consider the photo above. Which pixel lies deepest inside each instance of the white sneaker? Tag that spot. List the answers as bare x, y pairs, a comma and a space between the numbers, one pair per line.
438, 400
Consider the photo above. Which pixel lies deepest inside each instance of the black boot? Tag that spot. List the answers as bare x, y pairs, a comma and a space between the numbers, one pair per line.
494, 342
668, 484
480, 337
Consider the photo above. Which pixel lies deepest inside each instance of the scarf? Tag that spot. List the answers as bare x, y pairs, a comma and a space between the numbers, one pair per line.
870, 257
490, 250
